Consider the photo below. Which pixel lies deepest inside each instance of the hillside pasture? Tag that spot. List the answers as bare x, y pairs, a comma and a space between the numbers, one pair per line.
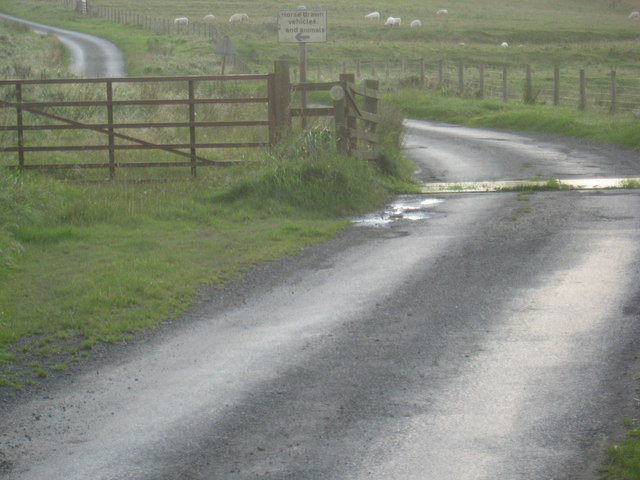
542, 27
539, 32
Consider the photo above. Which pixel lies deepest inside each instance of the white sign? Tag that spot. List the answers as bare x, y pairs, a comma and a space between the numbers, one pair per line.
302, 25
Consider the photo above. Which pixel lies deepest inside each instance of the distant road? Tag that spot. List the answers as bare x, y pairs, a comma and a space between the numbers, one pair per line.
90, 56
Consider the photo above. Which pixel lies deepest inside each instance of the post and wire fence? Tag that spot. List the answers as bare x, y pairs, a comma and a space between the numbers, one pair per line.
614, 90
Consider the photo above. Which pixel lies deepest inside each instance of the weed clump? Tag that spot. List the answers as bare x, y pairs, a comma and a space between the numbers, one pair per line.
305, 172
23, 202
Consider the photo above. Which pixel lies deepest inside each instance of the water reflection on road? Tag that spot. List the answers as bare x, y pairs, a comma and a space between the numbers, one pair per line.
404, 207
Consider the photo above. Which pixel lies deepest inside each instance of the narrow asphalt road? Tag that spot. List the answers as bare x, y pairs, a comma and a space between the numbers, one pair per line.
90, 56
455, 337
474, 336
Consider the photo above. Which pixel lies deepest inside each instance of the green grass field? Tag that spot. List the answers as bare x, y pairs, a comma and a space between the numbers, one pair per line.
544, 32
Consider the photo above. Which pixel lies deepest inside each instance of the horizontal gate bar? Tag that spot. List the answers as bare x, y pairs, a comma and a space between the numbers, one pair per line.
256, 123
80, 148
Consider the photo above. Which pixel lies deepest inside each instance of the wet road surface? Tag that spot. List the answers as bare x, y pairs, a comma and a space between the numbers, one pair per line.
454, 337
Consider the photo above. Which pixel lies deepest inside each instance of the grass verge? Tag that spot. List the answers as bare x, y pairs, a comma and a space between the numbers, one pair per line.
623, 458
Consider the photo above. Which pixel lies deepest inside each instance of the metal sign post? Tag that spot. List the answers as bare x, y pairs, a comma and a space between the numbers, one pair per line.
302, 26
224, 47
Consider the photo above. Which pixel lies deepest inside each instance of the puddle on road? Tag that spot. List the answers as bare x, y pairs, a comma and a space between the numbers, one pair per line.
405, 207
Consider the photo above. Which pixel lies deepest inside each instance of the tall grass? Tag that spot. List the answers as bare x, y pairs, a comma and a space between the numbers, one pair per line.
30, 56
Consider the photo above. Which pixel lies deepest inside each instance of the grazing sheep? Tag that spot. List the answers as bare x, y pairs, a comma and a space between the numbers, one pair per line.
635, 15
393, 22
415, 23
238, 17
372, 16
301, 7
442, 11
504, 44
211, 16
181, 21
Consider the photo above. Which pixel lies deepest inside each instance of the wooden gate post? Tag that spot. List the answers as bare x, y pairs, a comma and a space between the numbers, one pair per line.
192, 127
112, 151
340, 119
350, 124
281, 99
371, 103
19, 125
343, 121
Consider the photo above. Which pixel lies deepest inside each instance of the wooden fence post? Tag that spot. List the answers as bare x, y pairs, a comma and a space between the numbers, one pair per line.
460, 78
281, 98
528, 95
505, 85
614, 93
583, 87
556, 86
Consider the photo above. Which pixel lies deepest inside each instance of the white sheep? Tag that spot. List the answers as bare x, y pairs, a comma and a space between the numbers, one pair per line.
181, 21
635, 15
238, 17
442, 11
415, 23
211, 16
372, 16
504, 44
393, 22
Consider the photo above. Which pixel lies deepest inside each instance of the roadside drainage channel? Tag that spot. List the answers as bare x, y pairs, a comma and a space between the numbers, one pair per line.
419, 207
551, 184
